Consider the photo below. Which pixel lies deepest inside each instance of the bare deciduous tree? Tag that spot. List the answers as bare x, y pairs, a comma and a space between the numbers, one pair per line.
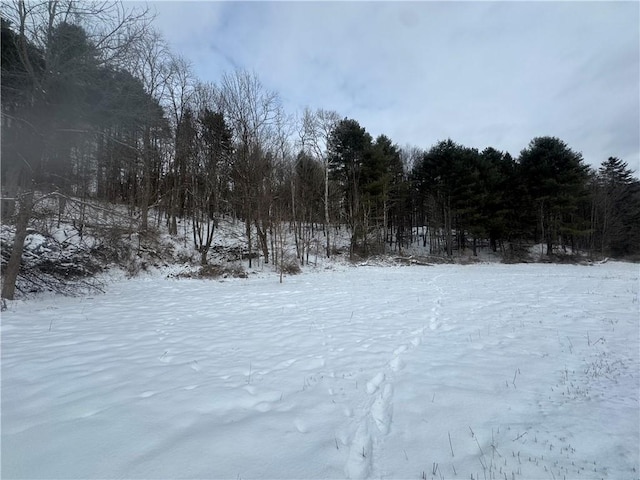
251, 111
180, 91
152, 63
314, 136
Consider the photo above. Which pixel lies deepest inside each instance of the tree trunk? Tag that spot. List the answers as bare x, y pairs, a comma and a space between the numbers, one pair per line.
248, 233
10, 190
326, 206
13, 266
146, 181
295, 219
448, 227
262, 240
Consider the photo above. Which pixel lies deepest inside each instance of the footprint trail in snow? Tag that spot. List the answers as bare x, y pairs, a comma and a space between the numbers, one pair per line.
375, 420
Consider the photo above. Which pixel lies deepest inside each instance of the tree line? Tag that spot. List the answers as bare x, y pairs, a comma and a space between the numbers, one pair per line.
96, 106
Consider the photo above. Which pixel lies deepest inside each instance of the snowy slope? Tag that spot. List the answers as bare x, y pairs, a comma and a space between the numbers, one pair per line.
480, 371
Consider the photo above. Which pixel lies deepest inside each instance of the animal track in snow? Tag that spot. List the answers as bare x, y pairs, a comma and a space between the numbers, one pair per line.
359, 460
301, 426
434, 324
400, 349
396, 364
381, 409
375, 382
378, 413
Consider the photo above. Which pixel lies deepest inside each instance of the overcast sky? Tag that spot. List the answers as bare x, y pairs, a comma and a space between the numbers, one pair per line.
481, 73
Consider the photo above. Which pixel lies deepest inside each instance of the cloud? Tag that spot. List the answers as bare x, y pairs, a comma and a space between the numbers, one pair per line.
483, 73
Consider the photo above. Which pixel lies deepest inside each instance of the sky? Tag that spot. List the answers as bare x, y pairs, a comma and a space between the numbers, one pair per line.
481, 73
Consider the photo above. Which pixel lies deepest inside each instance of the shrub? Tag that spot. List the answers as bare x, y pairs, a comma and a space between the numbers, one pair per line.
217, 271
289, 266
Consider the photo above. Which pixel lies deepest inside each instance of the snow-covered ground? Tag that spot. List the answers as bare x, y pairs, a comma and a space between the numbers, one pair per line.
449, 371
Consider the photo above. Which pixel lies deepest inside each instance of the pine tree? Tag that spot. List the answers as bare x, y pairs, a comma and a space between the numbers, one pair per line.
555, 179
619, 209
349, 147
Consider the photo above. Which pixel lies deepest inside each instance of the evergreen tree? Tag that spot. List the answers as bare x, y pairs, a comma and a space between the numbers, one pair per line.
349, 147
555, 179
381, 172
619, 209
438, 178
500, 194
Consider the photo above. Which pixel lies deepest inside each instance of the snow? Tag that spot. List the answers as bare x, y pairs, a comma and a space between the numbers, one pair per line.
447, 371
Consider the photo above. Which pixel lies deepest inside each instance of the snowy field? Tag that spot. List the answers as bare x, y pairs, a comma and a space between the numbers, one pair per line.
449, 371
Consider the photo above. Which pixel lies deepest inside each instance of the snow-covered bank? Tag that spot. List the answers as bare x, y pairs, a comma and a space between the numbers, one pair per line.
516, 371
